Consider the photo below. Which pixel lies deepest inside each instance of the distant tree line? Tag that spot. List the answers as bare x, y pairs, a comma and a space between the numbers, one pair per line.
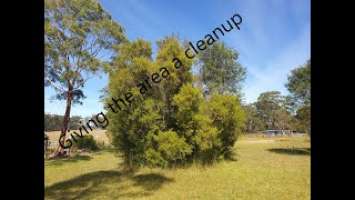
53, 122
270, 111
274, 111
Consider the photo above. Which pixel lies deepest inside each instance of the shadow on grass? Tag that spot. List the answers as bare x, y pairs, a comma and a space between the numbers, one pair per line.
95, 184
61, 161
292, 151
151, 182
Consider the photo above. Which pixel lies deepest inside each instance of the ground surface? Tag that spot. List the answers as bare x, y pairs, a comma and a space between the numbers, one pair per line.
99, 135
264, 169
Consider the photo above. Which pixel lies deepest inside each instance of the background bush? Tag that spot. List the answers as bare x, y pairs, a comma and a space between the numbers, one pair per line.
87, 142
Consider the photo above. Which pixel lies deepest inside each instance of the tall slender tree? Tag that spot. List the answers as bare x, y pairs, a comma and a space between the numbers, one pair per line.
220, 70
299, 85
78, 37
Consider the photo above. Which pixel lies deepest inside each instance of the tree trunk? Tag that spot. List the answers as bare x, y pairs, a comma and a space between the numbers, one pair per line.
66, 119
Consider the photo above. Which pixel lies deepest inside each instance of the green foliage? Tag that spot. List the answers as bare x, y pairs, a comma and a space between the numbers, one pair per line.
207, 139
303, 117
187, 103
228, 117
299, 85
75, 33
54, 122
129, 127
154, 158
86, 142
171, 123
220, 70
78, 33
272, 110
171, 146
254, 122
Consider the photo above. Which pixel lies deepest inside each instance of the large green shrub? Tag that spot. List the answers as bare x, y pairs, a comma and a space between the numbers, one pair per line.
172, 122
228, 117
171, 147
87, 142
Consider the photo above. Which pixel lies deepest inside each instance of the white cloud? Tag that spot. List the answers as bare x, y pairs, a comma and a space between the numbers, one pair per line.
273, 75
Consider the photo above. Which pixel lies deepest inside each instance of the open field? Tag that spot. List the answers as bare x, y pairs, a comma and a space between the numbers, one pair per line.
264, 169
99, 135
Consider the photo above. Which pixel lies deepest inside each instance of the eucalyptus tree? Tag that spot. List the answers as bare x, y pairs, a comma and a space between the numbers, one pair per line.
220, 70
299, 85
79, 37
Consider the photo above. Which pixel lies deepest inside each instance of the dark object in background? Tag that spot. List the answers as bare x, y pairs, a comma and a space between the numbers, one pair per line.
87, 142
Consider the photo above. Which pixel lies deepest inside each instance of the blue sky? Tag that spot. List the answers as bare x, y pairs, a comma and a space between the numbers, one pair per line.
274, 38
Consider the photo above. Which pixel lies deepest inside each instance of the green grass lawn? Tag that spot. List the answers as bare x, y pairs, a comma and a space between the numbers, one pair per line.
265, 168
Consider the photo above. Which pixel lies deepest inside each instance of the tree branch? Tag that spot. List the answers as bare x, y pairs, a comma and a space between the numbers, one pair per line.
55, 86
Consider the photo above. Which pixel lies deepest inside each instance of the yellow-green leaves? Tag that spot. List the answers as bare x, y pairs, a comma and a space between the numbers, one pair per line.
171, 146
76, 34
170, 122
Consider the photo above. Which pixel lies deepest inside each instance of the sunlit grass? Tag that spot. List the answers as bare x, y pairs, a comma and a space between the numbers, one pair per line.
265, 168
